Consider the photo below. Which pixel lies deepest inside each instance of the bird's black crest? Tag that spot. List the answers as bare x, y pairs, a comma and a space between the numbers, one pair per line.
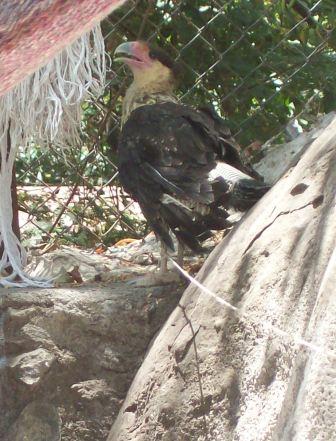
159, 54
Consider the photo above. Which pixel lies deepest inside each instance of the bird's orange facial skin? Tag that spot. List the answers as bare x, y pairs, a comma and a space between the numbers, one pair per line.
137, 55
151, 75
141, 52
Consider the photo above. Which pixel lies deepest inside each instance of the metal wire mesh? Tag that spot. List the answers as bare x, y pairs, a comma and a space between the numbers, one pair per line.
267, 67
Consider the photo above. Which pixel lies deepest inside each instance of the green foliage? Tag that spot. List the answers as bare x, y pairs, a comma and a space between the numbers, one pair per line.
258, 61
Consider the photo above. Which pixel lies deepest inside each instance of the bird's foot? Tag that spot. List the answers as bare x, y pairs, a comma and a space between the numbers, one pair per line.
158, 278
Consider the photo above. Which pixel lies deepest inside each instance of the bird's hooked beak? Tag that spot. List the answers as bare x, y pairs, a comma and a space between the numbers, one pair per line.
133, 53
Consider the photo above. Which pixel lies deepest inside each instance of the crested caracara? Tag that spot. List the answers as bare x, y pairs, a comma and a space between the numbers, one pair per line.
179, 163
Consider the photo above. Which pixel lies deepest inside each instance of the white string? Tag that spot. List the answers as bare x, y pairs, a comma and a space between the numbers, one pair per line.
276, 330
203, 288
44, 108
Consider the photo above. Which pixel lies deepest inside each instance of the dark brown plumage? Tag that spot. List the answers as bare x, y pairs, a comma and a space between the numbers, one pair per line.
170, 155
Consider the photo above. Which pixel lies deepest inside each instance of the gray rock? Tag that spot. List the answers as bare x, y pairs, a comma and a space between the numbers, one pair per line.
78, 348
39, 421
279, 158
30, 367
93, 390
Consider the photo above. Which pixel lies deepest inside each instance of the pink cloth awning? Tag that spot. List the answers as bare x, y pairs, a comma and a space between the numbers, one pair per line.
33, 31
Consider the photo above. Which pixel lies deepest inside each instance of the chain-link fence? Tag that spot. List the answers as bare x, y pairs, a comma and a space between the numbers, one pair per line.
267, 66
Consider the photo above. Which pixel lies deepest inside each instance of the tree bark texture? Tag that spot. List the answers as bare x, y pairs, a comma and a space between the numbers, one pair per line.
216, 374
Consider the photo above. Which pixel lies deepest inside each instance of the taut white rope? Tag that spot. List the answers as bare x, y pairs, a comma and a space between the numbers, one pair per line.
242, 315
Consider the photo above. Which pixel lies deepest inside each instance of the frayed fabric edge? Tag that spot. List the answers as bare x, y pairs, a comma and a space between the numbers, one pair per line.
45, 108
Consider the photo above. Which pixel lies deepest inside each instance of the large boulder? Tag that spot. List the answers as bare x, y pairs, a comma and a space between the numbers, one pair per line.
263, 369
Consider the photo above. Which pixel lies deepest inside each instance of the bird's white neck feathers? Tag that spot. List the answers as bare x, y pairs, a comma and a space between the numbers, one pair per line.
153, 85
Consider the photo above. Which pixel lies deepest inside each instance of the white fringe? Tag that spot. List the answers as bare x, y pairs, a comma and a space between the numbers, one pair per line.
44, 108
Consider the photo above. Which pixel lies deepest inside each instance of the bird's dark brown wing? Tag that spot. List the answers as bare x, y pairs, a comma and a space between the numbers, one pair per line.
230, 149
164, 164
166, 152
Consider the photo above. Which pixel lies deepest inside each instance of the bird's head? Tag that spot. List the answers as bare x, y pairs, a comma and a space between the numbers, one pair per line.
147, 63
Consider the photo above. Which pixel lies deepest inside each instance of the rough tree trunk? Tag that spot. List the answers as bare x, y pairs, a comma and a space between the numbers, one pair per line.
213, 374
